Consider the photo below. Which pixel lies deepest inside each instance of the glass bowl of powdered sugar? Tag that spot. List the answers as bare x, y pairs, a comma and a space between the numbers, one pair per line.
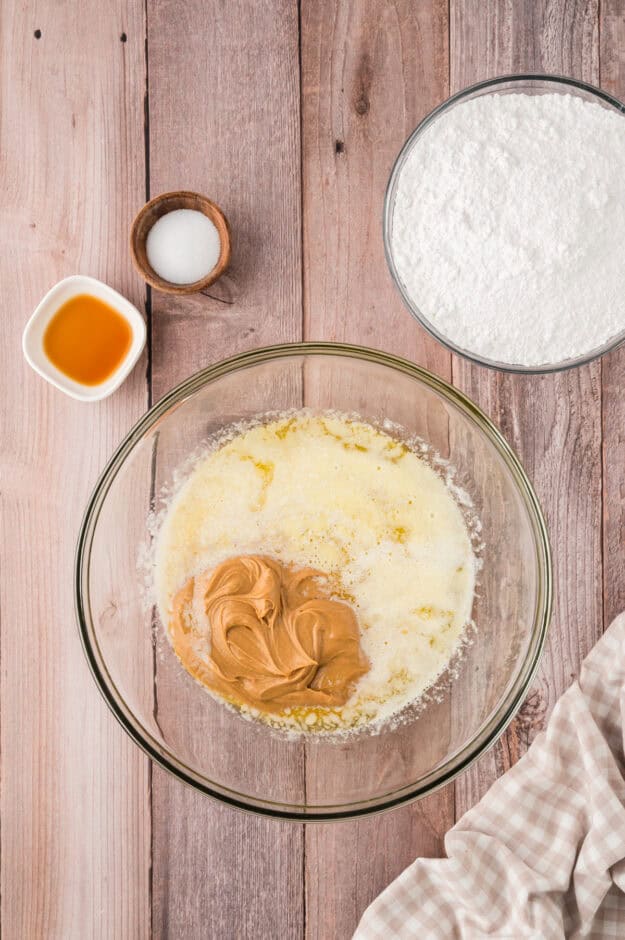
504, 221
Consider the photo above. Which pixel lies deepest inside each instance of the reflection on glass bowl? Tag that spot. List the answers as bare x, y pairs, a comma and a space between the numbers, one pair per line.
242, 762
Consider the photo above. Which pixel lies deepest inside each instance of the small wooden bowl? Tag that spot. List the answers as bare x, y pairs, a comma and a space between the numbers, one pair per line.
161, 205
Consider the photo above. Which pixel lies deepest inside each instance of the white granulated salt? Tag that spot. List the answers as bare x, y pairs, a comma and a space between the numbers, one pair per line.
509, 224
183, 246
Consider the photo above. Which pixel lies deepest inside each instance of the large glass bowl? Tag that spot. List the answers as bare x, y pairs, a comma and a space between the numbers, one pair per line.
504, 85
244, 763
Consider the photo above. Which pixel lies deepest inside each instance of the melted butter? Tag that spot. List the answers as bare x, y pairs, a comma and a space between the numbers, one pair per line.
373, 517
266, 471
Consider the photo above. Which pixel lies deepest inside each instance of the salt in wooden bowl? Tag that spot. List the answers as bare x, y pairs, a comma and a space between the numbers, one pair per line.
161, 205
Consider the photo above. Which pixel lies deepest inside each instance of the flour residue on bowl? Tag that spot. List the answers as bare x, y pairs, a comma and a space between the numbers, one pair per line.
366, 508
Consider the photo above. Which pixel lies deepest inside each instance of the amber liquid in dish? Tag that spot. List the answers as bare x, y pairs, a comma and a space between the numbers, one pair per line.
87, 340
315, 572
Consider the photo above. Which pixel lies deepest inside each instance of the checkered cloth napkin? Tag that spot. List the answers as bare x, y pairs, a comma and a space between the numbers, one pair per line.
542, 855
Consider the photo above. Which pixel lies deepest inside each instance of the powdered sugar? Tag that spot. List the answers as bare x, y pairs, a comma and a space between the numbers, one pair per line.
508, 226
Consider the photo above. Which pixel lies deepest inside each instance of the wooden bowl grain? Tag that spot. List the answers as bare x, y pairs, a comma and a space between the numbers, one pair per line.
158, 207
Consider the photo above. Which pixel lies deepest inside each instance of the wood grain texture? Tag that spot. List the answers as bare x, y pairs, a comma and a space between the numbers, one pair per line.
224, 118
370, 72
74, 800
612, 75
553, 421
224, 121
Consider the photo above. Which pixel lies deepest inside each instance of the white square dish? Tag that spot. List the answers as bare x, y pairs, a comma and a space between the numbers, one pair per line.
32, 339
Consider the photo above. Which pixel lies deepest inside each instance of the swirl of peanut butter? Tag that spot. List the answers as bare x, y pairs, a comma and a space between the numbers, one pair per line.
268, 636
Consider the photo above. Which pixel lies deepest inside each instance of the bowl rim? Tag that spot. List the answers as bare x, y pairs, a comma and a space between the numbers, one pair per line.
484, 87
488, 733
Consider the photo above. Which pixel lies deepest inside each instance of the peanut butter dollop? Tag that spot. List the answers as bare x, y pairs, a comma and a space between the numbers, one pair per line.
266, 635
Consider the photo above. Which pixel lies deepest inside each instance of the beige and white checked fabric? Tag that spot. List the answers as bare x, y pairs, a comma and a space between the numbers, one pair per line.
542, 855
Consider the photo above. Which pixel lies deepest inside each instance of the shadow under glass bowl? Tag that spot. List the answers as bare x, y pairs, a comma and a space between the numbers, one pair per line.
212, 748
506, 84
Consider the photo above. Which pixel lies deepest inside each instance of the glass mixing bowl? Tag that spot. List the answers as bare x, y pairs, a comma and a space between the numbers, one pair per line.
244, 763
506, 84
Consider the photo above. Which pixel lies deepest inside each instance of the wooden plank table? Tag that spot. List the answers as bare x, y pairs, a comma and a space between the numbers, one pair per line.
289, 115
